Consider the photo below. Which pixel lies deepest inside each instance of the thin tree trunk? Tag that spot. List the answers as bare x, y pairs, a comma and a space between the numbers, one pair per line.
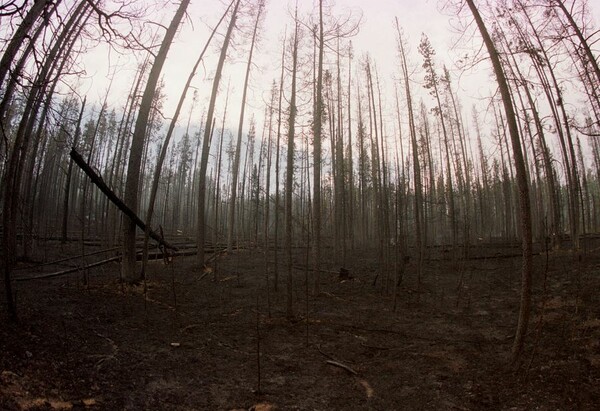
200, 239
65, 220
318, 125
290, 175
277, 169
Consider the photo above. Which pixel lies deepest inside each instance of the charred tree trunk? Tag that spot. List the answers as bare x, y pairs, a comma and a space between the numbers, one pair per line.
523, 185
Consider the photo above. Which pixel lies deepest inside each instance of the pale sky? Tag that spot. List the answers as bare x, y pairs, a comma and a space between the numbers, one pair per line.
377, 36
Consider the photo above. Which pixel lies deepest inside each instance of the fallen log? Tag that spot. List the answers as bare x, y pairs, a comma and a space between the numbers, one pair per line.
69, 271
99, 182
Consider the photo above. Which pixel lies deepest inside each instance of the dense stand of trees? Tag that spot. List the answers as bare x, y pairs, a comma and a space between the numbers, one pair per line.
337, 154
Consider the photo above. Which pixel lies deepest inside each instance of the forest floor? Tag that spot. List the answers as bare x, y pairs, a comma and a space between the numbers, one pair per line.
191, 342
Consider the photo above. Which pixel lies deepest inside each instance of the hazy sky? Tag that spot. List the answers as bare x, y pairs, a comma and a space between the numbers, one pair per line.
377, 36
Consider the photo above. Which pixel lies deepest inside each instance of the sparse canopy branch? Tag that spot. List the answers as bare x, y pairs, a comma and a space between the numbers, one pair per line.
591, 59
16, 42
11, 8
522, 184
334, 27
99, 182
106, 19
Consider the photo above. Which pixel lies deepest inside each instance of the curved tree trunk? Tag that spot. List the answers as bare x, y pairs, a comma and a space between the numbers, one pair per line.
138, 143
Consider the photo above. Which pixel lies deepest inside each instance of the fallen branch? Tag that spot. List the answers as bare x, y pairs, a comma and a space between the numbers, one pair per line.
300, 268
65, 259
102, 262
97, 180
204, 275
343, 366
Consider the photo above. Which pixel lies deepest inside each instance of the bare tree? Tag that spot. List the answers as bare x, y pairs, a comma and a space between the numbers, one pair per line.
418, 197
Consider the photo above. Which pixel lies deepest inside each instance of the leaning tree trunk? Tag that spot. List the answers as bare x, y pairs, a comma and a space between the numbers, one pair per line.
522, 183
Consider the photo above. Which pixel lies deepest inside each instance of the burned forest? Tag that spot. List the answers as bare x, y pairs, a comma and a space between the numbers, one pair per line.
310, 205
